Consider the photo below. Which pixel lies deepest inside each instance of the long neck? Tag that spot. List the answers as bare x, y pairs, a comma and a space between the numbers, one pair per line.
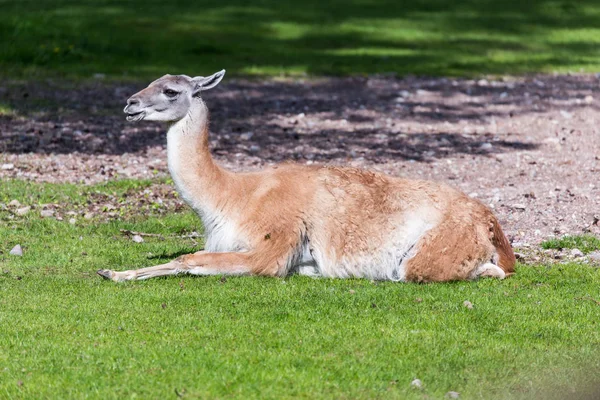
192, 168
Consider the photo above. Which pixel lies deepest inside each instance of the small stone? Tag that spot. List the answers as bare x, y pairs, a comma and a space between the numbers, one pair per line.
519, 256
576, 253
486, 146
254, 148
137, 239
14, 203
589, 99
16, 251
246, 135
7, 167
560, 229
47, 213
468, 304
594, 256
452, 395
96, 144
416, 384
566, 114
88, 215
351, 291
519, 206
22, 210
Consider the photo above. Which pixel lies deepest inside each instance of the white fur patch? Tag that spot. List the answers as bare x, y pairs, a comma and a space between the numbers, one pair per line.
488, 270
221, 234
386, 263
216, 271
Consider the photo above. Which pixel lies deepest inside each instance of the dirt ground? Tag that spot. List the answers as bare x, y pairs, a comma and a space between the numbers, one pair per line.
527, 147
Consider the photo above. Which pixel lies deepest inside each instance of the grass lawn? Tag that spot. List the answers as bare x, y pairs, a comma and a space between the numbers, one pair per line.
142, 39
65, 333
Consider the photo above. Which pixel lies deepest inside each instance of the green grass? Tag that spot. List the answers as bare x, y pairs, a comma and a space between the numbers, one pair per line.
585, 243
65, 333
142, 39
32, 193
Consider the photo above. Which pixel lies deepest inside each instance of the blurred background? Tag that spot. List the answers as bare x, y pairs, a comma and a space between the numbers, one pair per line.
143, 38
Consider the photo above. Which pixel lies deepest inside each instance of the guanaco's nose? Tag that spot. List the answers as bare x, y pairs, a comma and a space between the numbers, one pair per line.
132, 101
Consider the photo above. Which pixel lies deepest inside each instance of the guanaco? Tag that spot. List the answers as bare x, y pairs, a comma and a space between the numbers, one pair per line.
318, 220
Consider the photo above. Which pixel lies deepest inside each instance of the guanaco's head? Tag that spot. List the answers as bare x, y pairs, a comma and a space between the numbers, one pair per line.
168, 98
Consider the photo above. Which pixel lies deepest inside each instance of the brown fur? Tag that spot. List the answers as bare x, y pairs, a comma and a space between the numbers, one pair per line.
454, 248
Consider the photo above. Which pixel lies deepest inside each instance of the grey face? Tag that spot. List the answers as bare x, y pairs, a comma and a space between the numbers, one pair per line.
168, 98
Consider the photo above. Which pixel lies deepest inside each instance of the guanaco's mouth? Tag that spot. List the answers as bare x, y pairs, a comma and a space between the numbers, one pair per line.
135, 116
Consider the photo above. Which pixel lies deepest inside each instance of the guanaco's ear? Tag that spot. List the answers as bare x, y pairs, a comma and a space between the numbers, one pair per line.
204, 83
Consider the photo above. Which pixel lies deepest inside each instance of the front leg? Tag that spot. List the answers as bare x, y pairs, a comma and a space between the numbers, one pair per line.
200, 263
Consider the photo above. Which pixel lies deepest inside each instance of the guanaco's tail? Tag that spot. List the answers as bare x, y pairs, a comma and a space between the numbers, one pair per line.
506, 256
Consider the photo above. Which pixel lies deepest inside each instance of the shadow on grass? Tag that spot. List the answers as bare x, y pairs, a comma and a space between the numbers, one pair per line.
143, 39
171, 256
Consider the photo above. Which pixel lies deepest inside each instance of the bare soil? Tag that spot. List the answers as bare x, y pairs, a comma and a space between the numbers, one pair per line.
528, 147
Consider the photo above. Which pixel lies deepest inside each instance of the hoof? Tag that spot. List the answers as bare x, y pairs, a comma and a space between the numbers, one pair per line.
105, 273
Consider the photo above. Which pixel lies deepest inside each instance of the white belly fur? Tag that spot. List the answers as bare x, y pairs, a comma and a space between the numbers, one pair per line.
387, 263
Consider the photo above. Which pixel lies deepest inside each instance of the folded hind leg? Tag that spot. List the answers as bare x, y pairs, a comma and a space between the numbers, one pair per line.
488, 270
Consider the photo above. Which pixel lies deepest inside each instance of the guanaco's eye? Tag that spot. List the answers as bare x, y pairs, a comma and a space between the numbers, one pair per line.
170, 93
